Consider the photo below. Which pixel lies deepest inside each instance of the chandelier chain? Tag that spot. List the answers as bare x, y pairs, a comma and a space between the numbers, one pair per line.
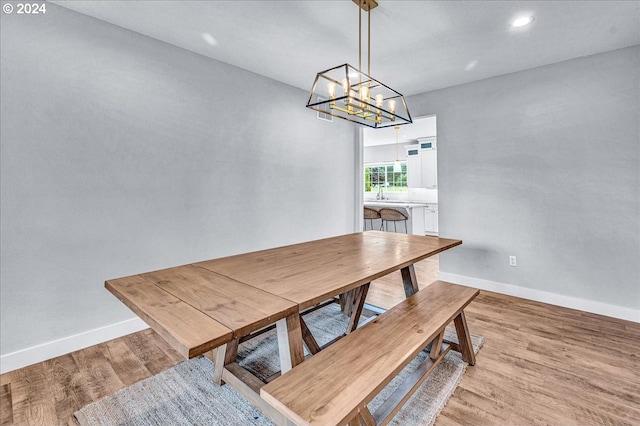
369, 42
360, 35
346, 92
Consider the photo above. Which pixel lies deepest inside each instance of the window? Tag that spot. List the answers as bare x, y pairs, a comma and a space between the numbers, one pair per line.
378, 176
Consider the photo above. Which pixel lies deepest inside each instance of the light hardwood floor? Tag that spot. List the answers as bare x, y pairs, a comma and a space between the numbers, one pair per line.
540, 364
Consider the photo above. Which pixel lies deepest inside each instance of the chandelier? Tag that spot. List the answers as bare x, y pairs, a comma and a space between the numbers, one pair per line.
348, 93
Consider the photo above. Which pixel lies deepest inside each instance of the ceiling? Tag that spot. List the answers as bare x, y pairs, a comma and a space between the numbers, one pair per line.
417, 46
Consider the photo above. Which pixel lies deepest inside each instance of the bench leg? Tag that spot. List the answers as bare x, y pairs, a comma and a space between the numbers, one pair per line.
436, 346
464, 339
248, 385
226, 354
407, 388
409, 280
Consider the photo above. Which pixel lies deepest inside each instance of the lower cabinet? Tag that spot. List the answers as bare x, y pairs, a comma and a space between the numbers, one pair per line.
431, 219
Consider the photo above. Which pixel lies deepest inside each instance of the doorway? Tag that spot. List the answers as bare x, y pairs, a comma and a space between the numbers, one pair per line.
399, 167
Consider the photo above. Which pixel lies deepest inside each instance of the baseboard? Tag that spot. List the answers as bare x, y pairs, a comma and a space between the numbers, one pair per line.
22, 358
545, 297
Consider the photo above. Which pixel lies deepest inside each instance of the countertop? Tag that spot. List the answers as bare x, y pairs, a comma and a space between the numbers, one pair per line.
392, 203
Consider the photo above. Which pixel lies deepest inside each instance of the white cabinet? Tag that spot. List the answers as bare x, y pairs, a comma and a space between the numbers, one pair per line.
431, 219
428, 163
414, 167
422, 164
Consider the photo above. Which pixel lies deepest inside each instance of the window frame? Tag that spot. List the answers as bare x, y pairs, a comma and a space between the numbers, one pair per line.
398, 183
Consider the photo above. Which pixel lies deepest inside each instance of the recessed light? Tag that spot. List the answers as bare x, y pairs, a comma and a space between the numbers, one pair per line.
522, 21
471, 65
209, 39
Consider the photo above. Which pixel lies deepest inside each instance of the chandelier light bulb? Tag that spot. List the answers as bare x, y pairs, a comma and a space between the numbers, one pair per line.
379, 99
392, 106
364, 94
352, 96
331, 89
345, 85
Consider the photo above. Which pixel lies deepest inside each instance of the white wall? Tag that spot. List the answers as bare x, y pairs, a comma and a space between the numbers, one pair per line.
386, 153
122, 154
420, 128
544, 164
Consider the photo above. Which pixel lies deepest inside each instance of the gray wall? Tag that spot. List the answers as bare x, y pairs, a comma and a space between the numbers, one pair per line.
121, 154
544, 164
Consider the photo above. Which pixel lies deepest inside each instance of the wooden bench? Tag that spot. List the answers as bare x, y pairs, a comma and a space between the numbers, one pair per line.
334, 386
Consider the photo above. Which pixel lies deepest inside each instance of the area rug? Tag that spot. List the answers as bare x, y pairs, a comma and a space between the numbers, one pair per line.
186, 395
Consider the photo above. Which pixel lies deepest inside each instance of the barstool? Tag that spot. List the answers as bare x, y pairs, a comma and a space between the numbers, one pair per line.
370, 214
393, 215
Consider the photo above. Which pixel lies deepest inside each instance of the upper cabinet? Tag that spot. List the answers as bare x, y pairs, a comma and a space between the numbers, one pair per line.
414, 167
422, 164
429, 160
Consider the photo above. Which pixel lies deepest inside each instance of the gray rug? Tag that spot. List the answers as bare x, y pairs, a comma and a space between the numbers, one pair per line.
185, 394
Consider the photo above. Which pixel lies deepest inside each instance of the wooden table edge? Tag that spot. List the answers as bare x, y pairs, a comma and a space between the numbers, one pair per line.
370, 278
180, 347
249, 328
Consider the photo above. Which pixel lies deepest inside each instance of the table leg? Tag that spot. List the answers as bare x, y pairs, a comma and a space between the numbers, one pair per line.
289, 334
409, 280
355, 421
309, 341
358, 303
367, 418
346, 301
225, 355
354, 304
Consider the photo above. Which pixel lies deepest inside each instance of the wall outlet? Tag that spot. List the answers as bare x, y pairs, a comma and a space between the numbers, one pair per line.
512, 261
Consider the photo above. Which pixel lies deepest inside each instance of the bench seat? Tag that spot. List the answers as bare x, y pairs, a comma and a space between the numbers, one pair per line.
334, 386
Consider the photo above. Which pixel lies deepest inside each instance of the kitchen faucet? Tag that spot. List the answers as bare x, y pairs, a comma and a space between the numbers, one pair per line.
380, 195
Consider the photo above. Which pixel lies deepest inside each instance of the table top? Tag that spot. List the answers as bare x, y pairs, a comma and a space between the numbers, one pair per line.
309, 273
188, 330
200, 306
240, 307
197, 310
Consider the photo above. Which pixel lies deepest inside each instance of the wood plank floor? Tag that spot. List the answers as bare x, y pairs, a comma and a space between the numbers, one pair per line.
540, 364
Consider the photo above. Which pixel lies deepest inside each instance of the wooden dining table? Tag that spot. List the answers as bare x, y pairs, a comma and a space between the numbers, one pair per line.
214, 304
